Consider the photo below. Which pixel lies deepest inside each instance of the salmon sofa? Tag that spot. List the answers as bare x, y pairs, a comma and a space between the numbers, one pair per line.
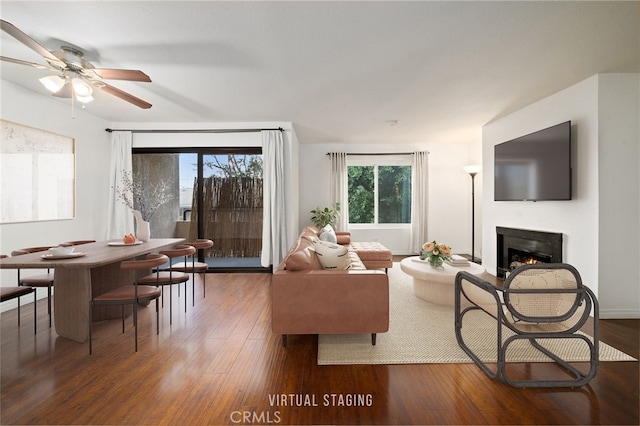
307, 298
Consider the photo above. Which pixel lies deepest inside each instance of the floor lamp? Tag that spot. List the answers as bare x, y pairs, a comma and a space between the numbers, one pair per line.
473, 171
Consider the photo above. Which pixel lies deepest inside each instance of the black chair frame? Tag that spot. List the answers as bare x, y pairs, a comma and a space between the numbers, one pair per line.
584, 299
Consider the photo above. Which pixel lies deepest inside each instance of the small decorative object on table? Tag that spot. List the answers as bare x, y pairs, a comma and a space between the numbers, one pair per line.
435, 253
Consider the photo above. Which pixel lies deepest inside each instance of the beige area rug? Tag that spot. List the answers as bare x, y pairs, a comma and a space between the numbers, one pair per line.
423, 333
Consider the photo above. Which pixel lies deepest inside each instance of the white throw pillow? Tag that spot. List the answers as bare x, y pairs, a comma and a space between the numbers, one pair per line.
331, 255
328, 234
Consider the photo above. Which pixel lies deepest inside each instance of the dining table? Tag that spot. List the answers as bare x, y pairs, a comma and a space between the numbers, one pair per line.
92, 269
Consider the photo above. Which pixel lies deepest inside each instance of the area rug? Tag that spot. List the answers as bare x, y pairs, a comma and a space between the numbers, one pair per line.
423, 333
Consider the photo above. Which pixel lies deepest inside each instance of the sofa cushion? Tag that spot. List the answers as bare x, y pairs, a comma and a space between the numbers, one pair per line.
303, 259
328, 234
332, 256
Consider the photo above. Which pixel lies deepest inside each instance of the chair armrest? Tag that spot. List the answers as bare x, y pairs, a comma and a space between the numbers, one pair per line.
478, 292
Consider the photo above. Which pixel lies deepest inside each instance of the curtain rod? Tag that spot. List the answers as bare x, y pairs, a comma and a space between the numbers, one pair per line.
193, 130
377, 153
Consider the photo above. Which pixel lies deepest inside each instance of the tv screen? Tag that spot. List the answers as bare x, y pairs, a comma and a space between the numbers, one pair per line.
535, 167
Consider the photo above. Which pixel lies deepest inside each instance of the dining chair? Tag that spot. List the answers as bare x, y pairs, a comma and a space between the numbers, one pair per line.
170, 277
132, 294
193, 266
15, 292
38, 280
76, 243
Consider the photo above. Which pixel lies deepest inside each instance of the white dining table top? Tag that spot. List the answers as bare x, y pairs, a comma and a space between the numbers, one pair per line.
96, 254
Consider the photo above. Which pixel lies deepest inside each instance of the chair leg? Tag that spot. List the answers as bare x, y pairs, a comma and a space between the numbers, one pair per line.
193, 289
19, 311
185, 296
171, 303
157, 318
135, 322
49, 303
122, 310
90, 326
35, 312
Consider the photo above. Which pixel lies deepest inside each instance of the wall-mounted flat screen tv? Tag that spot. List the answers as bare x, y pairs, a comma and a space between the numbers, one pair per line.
534, 167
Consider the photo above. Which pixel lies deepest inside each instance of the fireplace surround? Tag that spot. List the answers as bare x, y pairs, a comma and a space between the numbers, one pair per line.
518, 246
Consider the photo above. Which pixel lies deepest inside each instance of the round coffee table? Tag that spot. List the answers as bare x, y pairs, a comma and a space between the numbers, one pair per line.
436, 285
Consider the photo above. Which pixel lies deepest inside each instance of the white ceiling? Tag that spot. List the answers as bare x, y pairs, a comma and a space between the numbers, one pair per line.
338, 70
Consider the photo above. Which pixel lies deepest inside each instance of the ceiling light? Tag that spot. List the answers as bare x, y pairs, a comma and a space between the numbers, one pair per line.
81, 88
84, 99
53, 83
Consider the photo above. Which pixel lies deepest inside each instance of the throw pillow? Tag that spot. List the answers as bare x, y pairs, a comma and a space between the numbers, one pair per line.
332, 256
328, 234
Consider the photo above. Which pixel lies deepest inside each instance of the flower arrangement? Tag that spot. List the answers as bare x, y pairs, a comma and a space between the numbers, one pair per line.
144, 198
435, 253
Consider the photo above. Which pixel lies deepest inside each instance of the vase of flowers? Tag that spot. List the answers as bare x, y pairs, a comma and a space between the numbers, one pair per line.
435, 253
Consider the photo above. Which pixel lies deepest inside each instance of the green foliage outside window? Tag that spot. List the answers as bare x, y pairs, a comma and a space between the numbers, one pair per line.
361, 194
393, 187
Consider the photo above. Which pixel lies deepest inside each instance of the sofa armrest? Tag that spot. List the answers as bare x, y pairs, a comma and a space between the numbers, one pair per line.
343, 237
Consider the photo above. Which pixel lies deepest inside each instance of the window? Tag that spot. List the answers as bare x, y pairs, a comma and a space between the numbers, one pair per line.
379, 193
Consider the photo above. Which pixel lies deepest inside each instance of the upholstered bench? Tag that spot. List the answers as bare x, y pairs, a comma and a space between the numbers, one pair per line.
373, 254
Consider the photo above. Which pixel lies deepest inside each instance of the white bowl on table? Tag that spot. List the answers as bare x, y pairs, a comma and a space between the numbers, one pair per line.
61, 251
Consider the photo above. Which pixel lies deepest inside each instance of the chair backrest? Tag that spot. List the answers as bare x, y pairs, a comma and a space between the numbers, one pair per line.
27, 250
179, 250
149, 262
77, 243
200, 243
545, 293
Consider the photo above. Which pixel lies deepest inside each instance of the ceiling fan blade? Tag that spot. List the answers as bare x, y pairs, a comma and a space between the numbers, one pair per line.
120, 74
31, 64
125, 96
23, 38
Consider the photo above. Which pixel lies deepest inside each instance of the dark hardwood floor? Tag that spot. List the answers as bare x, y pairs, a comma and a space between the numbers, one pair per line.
220, 364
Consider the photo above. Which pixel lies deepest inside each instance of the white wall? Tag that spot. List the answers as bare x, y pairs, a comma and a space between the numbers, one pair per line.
449, 217
92, 153
580, 219
619, 202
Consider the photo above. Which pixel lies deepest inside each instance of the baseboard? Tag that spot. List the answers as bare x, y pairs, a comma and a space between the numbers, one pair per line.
619, 314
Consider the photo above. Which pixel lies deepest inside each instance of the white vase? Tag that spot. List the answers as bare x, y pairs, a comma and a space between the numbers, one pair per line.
143, 229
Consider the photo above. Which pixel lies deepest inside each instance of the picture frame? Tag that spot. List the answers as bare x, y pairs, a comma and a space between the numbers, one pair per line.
37, 175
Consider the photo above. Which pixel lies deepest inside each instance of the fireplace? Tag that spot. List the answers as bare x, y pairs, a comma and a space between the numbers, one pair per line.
517, 247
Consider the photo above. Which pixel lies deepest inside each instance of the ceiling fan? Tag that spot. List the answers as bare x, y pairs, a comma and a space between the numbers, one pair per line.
74, 75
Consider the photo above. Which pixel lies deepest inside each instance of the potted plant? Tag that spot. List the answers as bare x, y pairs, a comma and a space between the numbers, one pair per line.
322, 217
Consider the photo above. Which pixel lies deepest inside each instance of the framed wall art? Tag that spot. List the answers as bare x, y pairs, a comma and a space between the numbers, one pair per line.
37, 175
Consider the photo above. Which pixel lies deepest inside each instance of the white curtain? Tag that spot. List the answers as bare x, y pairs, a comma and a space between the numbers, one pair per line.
339, 188
274, 232
419, 200
120, 219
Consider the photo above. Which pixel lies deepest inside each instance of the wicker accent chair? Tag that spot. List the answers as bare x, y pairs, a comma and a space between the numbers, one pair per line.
539, 303
131, 294
191, 265
40, 280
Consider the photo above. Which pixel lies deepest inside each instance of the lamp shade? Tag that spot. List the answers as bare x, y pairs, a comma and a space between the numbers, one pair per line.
81, 88
472, 169
53, 83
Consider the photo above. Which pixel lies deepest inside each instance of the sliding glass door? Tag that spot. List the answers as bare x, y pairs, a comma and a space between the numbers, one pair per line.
214, 194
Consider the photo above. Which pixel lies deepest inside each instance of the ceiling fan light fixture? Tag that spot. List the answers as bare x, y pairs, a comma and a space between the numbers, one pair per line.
53, 83
81, 88
84, 99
